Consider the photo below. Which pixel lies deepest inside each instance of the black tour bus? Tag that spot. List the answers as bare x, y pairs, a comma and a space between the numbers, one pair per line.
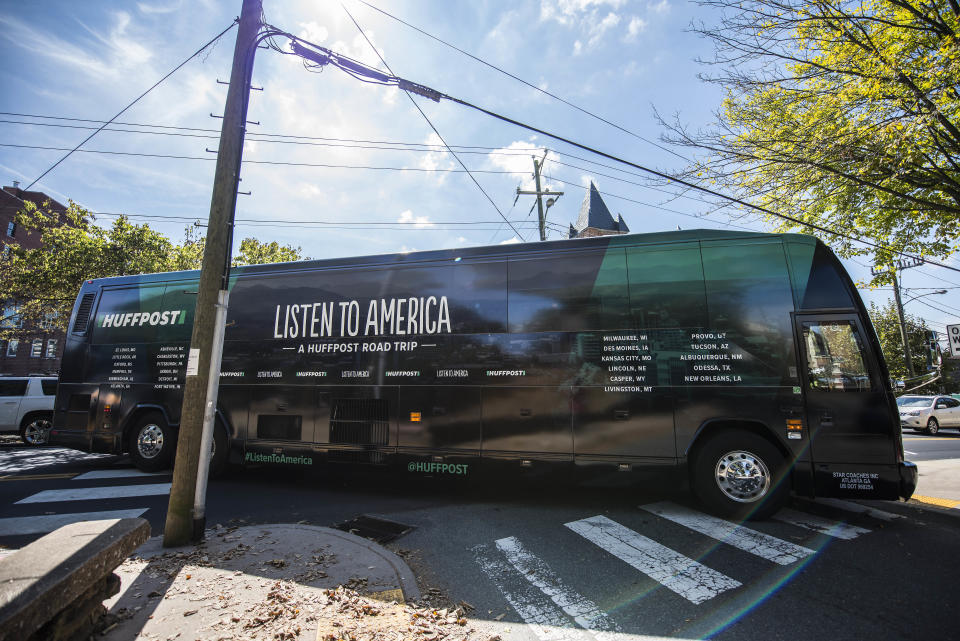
746, 357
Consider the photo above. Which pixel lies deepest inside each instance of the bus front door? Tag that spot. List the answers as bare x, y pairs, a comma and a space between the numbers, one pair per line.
850, 425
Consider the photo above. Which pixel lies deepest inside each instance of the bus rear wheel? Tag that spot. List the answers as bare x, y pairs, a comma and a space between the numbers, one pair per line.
738, 474
152, 443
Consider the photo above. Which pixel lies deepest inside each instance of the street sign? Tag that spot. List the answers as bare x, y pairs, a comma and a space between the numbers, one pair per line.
953, 338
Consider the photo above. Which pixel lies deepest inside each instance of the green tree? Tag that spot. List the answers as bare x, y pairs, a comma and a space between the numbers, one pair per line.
842, 113
39, 286
886, 322
44, 282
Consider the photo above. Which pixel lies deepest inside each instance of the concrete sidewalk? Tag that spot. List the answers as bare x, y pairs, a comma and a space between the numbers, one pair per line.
939, 483
271, 582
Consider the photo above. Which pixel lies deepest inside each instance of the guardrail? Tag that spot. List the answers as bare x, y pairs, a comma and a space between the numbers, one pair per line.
53, 589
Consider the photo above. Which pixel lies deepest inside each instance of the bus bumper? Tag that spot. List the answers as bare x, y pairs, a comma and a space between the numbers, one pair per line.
908, 479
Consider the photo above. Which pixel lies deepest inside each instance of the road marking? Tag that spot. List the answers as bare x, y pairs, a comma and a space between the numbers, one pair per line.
691, 580
36, 477
93, 493
117, 474
43, 524
545, 619
584, 611
856, 508
836, 529
935, 501
740, 537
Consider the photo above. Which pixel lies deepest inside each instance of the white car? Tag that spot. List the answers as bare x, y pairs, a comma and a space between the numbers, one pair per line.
929, 413
26, 406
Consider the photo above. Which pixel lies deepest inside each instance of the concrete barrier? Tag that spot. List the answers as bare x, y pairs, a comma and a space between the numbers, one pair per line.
53, 589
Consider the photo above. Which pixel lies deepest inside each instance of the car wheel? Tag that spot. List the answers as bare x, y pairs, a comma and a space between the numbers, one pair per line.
152, 443
738, 474
932, 426
36, 430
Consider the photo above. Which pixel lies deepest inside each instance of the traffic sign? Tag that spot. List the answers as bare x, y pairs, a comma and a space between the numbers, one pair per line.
953, 338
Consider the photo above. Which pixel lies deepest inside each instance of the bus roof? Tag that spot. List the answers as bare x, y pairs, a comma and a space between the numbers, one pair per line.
479, 252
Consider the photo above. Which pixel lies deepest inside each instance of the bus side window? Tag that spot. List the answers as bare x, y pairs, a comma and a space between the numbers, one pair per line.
835, 360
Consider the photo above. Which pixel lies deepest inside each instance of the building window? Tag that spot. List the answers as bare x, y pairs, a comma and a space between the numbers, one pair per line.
10, 316
36, 348
11, 229
48, 320
51, 348
12, 347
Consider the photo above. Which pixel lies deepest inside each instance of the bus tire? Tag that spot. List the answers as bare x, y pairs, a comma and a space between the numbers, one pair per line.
932, 426
221, 453
738, 474
152, 443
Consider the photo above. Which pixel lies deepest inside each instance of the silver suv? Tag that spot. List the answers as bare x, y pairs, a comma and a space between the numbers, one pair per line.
26, 407
929, 413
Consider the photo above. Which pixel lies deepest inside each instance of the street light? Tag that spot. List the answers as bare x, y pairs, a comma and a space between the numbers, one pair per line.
939, 291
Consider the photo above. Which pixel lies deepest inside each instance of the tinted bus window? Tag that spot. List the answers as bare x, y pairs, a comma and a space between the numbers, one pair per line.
666, 288
132, 315
574, 292
835, 359
816, 276
749, 297
485, 310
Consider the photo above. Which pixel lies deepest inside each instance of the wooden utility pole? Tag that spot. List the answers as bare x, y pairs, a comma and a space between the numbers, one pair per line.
203, 365
537, 165
902, 264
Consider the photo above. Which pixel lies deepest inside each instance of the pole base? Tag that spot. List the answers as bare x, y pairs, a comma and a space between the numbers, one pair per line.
199, 525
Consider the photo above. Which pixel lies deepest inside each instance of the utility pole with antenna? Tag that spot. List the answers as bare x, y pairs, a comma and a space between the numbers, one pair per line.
186, 508
539, 193
901, 265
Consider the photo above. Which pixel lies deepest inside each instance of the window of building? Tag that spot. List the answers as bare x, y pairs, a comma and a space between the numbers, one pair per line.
51, 348
36, 348
12, 347
11, 229
10, 316
48, 320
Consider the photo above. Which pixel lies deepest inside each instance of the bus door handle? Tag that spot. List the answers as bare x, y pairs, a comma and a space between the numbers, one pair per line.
826, 420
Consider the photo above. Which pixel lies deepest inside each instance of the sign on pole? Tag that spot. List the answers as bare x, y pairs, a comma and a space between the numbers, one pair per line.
953, 338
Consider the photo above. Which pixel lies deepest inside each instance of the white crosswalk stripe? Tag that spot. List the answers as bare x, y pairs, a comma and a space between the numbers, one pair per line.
743, 538
581, 609
128, 472
97, 493
836, 529
21, 525
691, 580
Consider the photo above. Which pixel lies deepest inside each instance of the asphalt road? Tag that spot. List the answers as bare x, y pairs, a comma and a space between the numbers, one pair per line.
521, 548
921, 447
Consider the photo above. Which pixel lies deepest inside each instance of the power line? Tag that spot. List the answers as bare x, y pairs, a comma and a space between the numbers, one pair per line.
135, 101
528, 84
429, 122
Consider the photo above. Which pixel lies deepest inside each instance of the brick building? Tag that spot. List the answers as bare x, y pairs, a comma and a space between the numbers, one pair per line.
595, 219
34, 349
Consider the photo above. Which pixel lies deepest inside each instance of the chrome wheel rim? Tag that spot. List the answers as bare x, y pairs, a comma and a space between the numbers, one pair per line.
37, 432
742, 476
150, 441
932, 426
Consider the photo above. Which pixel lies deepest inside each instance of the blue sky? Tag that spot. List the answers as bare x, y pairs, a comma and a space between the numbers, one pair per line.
620, 59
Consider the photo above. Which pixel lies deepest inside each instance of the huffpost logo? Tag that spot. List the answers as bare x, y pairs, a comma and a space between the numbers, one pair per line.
438, 468
139, 319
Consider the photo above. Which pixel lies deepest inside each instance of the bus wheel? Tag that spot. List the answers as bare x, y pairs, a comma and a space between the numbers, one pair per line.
152, 443
932, 426
738, 474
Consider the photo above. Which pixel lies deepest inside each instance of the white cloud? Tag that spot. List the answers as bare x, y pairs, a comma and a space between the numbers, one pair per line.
570, 11
598, 29
512, 241
435, 160
419, 222
159, 8
313, 32
634, 28
516, 158
661, 7
577, 48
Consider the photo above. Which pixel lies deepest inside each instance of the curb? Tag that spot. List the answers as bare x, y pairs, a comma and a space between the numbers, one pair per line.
938, 502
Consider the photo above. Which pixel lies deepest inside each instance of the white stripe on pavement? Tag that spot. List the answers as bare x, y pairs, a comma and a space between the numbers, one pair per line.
740, 537
117, 474
42, 524
545, 619
686, 577
584, 611
856, 508
836, 529
94, 493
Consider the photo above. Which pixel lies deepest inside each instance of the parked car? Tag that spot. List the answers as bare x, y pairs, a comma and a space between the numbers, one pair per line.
26, 407
929, 413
